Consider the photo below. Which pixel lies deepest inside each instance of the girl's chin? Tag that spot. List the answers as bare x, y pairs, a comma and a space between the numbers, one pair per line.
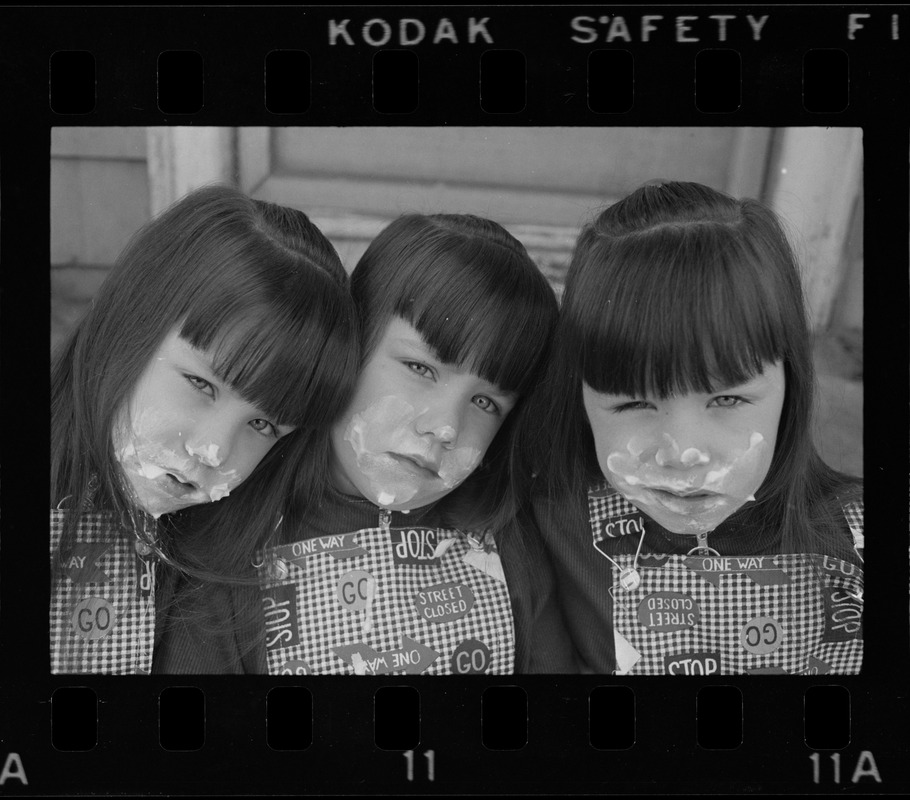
418, 501
160, 508
691, 523
404, 499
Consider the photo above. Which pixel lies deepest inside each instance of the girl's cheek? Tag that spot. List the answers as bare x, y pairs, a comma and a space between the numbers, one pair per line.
380, 428
623, 461
147, 439
223, 483
148, 421
382, 423
745, 472
457, 465
388, 425
146, 427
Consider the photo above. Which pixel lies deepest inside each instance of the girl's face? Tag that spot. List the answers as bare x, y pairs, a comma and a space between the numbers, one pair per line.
184, 437
689, 461
417, 426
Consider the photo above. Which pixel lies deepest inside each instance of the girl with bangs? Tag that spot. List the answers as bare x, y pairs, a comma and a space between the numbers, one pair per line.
388, 568
709, 537
224, 332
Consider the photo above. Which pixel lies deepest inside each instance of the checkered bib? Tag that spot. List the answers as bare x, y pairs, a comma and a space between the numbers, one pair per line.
699, 615
102, 613
387, 601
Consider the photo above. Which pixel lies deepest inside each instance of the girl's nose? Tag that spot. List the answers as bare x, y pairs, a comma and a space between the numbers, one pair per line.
441, 422
210, 445
669, 453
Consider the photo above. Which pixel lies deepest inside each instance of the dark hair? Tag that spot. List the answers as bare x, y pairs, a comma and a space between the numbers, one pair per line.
676, 288
257, 284
467, 286
478, 300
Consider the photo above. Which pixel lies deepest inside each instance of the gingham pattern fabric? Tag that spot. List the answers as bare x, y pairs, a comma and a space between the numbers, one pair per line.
853, 511
101, 621
605, 505
793, 613
381, 634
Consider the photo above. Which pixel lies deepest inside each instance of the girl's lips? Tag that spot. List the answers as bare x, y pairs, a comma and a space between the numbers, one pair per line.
684, 495
415, 464
173, 485
689, 504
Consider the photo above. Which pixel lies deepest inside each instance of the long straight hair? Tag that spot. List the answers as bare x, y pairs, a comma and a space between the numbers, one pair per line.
673, 289
479, 301
256, 284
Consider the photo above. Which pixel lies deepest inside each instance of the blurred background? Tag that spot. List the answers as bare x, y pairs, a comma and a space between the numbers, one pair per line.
540, 183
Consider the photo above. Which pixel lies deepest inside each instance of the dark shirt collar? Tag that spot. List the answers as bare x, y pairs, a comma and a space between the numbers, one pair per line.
344, 513
733, 537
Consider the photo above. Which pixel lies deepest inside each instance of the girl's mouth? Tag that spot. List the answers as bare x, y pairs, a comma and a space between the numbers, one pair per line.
688, 503
416, 465
175, 486
697, 493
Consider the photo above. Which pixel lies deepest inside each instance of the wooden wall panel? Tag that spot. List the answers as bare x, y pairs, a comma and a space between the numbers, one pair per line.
600, 161
96, 205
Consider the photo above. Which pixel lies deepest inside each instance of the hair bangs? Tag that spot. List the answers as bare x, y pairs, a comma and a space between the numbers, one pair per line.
285, 360
681, 309
467, 286
495, 324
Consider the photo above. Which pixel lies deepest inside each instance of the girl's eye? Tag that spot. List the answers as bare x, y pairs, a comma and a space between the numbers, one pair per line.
265, 427
484, 403
200, 384
420, 369
727, 401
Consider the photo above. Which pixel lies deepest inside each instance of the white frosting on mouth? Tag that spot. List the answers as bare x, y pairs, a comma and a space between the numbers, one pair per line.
693, 456
644, 473
150, 471
457, 464
221, 490
387, 426
143, 454
670, 453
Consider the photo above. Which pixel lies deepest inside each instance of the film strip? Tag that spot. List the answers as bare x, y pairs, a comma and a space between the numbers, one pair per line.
534, 68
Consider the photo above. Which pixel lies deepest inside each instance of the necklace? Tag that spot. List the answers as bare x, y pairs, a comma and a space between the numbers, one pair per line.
144, 529
629, 577
701, 546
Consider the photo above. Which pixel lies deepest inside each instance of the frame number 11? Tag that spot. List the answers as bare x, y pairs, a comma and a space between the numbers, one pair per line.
431, 763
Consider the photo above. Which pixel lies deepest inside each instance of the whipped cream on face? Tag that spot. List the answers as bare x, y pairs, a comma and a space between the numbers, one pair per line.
386, 429
159, 473
207, 454
221, 490
690, 500
445, 433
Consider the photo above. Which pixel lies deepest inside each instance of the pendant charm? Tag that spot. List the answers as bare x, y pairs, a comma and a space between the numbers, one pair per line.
278, 569
143, 548
629, 579
702, 548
